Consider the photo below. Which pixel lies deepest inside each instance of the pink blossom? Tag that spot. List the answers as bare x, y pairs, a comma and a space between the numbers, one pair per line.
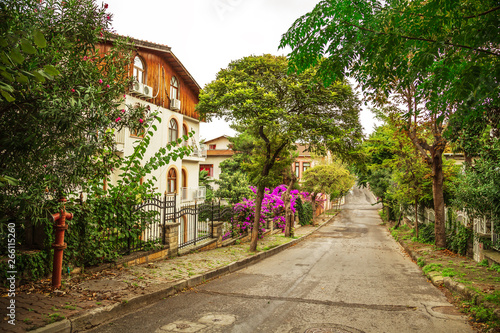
123, 110
141, 121
100, 80
124, 96
72, 90
107, 86
118, 119
108, 17
105, 5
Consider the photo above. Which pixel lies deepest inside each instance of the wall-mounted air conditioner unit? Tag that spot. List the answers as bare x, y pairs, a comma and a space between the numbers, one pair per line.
147, 91
141, 89
175, 104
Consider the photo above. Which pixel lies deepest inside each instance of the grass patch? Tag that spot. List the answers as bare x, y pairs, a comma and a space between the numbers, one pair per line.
433, 268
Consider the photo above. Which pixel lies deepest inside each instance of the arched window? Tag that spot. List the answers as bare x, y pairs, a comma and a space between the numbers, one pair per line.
184, 132
172, 181
139, 70
174, 88
184, 191
173, 130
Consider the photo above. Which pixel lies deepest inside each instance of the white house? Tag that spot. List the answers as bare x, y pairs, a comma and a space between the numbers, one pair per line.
164, 85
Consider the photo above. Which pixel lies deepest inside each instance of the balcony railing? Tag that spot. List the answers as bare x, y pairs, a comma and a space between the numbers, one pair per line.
193, 193
197, 152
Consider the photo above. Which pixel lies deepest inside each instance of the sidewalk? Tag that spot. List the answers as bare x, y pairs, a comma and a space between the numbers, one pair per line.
89, 299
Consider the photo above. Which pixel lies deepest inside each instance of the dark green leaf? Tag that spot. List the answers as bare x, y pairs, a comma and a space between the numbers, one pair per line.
27, 47
39, 39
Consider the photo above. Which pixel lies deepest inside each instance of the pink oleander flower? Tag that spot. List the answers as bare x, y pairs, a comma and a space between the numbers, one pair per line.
141, 121
72, 90
118, 119
123, 110
108, 17
107, 86
100, 80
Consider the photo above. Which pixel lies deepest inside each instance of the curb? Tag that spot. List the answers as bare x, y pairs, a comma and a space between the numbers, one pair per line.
438, 280
95, 317
454, 286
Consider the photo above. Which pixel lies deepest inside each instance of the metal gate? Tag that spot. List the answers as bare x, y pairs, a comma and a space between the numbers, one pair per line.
196, 223
156, 211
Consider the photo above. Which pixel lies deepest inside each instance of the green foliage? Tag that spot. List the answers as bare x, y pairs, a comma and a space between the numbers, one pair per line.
442, 66
108, 221
479, 187
459, 239
432, 268
376, 42
33, 266
306, 213
494, 267
204, 180
234, 184
483, 263
333, 179
276, 108
420, 262
494, 297
426, 233
62, 112
480, 313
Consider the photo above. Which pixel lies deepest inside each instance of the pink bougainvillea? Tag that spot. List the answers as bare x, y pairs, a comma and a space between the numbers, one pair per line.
273, 208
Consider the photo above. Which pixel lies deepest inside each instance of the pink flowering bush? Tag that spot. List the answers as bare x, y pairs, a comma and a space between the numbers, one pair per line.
273, 207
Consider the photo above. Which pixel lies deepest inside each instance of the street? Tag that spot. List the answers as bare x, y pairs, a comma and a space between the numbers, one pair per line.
350, 276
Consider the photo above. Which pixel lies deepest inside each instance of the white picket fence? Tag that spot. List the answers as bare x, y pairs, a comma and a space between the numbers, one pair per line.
481, 225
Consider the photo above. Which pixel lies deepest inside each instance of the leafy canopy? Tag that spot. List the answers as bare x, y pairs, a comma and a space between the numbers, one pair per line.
450, 47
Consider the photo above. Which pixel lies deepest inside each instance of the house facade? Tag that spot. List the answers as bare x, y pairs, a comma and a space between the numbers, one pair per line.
163, 85
303, 162
217, 150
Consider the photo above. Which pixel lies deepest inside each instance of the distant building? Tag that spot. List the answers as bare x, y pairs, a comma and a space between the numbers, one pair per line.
218, 150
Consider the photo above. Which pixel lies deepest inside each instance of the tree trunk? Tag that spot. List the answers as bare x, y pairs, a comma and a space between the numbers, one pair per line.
416, 217
313, 205
256, 221
287, 198
437, 191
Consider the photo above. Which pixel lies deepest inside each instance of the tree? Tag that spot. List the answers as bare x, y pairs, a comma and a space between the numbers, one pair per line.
330, 179
279, 108
61, 110
441, 55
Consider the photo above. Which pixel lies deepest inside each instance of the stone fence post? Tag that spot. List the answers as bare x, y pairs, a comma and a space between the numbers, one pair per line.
172, 238
217, 227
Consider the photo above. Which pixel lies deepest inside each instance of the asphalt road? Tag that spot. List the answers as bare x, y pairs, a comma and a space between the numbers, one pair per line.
350, 276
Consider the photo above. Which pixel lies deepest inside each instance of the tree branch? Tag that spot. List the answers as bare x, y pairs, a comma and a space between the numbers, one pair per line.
423, 39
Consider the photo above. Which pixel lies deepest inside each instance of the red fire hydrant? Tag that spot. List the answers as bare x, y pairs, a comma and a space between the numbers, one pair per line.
59, 245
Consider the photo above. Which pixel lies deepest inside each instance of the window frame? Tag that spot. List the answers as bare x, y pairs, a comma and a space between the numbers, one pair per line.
172, 130
172, 180
138, 70
209, 168
174, 88
305, 166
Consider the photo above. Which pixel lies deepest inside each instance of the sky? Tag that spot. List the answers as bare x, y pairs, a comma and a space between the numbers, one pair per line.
206, 35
